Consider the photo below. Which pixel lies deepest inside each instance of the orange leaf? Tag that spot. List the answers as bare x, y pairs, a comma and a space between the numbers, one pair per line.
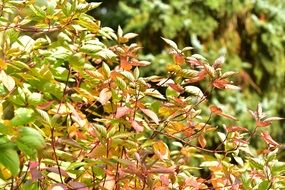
124, 63
161, 150
179, 59
202, 141
215, 109
236, 128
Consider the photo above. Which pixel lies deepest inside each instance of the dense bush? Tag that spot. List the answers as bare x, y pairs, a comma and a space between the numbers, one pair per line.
77, 114
250, 33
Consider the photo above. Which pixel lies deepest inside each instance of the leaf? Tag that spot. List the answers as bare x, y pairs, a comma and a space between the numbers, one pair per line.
29, 141
194, 90
154, 93
171, 43
218, 111
228, 74
106, 69
121, 83
128, 75
268, 139
121, 111
7, 80
137, 126
278, 168
161, 150
106, 54
152, 115
35, 98
9, 158
231, 87
236, 129
176, 87
202, 141
104, 96
120, 31
218, 62
264, 185
222, 136
209, 163
270, 119
130, 35
23, 116
256, 163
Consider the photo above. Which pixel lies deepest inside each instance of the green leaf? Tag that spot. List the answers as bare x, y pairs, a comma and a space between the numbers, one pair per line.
29, 141
23, 116
35, 98
121, 83
278, 168
106, 69
10, 159
106, 54
264, 185
256, 163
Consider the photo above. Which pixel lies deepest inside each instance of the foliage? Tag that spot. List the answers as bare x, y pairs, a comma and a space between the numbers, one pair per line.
249, 33
77, 114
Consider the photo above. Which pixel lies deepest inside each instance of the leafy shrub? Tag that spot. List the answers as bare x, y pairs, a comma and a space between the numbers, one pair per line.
249, 33
76, 114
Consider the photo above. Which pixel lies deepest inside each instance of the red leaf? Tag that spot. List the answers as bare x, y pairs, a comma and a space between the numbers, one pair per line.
45, 105
121, 111
218, 111
220, 83
268, 139
176, 87
151, 115
262, 123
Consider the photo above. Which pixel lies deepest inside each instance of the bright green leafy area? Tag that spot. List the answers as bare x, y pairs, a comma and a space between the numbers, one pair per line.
23, 116
9, 158
77, 112
29, 141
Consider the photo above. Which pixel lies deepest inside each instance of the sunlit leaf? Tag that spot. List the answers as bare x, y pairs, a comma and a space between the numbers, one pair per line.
151, 115
161, 150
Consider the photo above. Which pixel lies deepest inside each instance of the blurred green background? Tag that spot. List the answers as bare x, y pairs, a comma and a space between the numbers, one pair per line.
250, 33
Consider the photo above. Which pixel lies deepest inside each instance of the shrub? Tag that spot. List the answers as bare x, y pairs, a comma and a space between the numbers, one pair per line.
76, 114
